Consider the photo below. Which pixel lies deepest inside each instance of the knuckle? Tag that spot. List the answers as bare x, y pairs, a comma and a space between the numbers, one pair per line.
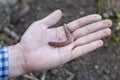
97, 16
107, 31
107, 22
86, 31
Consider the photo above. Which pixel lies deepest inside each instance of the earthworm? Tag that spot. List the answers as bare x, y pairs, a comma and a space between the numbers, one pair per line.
64, 43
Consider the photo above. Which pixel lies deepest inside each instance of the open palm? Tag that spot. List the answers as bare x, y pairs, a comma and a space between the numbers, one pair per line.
39, 55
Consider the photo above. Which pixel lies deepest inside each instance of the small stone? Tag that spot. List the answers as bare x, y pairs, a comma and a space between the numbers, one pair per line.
82, 12
96, 67
115, 67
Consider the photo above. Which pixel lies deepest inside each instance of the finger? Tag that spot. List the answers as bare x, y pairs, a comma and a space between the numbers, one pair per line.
80, 50
93, 37
83, 21
92, 28
52, 19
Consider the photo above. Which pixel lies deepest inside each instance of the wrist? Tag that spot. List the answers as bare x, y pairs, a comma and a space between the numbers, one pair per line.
16, 61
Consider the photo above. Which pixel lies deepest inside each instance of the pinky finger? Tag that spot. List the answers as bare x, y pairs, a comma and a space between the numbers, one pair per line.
81, 50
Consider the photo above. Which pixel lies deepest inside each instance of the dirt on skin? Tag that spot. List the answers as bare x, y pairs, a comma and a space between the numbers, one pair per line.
101, 64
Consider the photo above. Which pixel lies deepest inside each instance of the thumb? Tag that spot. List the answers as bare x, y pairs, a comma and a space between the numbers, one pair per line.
52, 19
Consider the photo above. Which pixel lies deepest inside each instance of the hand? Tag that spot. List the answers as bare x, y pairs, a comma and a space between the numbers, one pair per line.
35, 54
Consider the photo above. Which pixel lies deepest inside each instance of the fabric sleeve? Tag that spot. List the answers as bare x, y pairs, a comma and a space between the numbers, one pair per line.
4, 65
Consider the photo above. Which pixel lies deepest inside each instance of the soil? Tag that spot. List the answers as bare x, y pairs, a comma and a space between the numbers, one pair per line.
101, 64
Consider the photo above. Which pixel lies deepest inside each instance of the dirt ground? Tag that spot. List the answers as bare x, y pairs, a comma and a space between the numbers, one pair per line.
101, 64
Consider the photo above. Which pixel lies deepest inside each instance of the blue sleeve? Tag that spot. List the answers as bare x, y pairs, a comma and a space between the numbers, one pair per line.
4, 66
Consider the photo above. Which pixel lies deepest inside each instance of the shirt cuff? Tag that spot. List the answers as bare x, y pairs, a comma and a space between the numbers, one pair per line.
4, 65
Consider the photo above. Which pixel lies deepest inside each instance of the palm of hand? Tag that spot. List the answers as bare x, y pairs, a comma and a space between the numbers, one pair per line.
35, 43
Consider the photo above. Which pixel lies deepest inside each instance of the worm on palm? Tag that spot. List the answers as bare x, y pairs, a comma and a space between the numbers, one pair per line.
64, 43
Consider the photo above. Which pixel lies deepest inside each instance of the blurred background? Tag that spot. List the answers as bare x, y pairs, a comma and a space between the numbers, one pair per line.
102, 64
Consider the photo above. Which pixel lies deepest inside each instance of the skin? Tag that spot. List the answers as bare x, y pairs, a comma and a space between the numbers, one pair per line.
33, 53
68, 41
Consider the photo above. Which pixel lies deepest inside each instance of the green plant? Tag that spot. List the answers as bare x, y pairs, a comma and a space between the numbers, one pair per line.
106, 15
100, 6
